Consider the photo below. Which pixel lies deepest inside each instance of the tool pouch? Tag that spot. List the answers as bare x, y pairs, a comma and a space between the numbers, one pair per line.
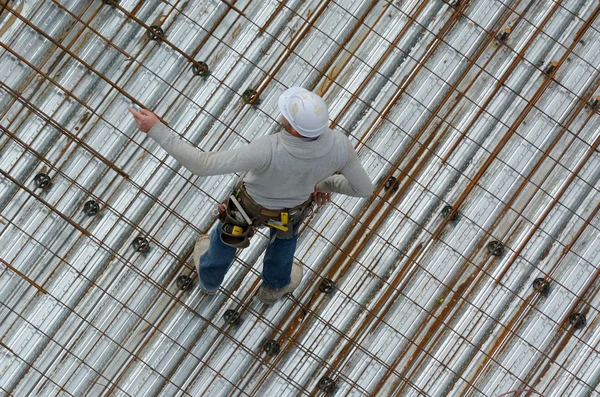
235, 231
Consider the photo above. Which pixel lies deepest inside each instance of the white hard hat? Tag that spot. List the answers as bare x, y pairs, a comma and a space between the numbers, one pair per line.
305, 111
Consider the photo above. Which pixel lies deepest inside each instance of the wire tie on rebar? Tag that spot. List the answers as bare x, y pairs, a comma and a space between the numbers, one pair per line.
503, 35
391, 185
578, 320
250, 96
155, 32
326, 384
184, 282
231, 317
551, 67
200, 68
327, 286
447, 210
495, 248
140, 244
42, 181
542, 286
272, 347
91, 208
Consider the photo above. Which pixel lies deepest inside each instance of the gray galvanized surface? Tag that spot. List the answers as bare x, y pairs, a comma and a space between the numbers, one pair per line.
425, 92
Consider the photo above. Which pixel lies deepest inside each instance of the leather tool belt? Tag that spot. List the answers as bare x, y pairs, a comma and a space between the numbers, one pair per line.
241, 216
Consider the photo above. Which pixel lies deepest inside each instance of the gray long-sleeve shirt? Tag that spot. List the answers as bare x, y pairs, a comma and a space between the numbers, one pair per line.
283, 169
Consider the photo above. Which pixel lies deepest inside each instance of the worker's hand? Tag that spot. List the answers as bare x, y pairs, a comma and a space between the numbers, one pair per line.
321, 198
144, 119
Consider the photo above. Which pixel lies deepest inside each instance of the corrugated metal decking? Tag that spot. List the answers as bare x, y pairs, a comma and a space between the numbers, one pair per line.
485, 111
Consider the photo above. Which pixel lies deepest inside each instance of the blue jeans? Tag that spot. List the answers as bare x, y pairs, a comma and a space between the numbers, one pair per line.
277, 263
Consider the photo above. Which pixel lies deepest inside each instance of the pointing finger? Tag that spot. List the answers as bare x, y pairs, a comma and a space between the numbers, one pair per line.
135, 114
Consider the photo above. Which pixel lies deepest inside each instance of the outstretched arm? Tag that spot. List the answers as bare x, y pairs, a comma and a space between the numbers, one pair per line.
255, 155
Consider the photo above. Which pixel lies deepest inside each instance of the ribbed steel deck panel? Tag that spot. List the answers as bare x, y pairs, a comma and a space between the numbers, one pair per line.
501, 125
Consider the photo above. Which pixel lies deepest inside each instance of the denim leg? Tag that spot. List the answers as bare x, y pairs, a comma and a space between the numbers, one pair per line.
215, 262
278, 260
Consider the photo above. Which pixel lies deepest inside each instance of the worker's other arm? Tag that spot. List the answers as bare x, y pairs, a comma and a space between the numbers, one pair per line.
353, 180
252, 156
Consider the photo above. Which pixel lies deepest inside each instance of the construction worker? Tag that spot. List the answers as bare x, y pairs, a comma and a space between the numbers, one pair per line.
287, 171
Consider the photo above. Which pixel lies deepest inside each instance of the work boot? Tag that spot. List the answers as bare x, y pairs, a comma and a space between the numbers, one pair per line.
269, 295
200, 248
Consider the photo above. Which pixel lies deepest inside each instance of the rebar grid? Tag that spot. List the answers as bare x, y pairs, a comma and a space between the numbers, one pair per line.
290, 332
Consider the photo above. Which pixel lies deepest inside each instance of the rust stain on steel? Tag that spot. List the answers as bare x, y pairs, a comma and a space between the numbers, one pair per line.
298, 315
363, 231
268, 22
456, 206
330, 78
11, 19
433, 333
24, 277
588, 292
558, 345
83, 231
341, 267
501, 341
160, 19
236, 31
513, 127
135, 9
16, 12
332, 75
54, 124
527, 304
81, 61
380, 62
233, 7
295, 40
